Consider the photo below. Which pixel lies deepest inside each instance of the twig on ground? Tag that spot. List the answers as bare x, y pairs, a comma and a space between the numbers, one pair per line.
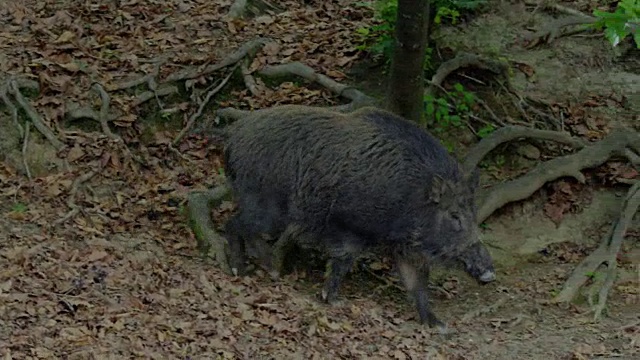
25, 146
488, 109
204, 103
606, 253
35, 117
248, 48
571, 165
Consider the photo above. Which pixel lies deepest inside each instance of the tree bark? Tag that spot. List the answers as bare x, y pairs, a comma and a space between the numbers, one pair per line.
406, 85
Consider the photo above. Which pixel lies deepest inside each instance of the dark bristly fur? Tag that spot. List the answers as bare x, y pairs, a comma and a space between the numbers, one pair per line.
351, 182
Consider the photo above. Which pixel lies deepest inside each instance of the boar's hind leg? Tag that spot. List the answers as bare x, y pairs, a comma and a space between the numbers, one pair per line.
281, 247
415, 276
235, 236
343, 248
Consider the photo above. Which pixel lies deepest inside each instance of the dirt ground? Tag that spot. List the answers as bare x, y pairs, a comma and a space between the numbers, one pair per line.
128, 283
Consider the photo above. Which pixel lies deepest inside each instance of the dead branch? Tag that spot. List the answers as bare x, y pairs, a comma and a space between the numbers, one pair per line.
465, 60
510, 133
210, 243
71, 203
297, 68
204, 103
521, 188
248, 48
606, 253
35, 117
25, 146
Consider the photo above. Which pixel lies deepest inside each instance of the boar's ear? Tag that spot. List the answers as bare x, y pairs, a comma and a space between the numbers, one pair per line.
437, 190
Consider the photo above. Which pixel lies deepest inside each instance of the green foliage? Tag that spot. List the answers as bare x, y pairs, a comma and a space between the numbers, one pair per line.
621, 23
484, 131
451, 111
19, 208
378, 39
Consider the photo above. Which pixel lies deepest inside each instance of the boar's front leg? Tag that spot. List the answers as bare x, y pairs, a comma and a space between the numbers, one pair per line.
415, 275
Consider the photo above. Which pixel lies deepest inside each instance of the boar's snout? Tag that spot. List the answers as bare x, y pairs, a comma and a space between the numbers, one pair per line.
487, 277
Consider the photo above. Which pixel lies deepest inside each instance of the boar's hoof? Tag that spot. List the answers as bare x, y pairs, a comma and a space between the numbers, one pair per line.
444, 330
275, 275
488, 277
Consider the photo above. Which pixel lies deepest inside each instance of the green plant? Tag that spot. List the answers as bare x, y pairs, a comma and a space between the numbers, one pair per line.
19, 208
449, 112
621, 23
485, 131
446, 13
378, 39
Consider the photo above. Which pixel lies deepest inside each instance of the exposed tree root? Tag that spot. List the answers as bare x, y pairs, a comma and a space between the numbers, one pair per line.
71, 203
25, 146
615, 144
35, 118
485, 310
555, 30
237, 9
149, 79
210, 242
510, 133
240, 8
553, 6
605, 254
103, 118
464, 60
249, 80
246, 49
357, 97
163, 90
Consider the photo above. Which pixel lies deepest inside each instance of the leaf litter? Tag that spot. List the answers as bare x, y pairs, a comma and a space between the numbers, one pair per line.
122, 278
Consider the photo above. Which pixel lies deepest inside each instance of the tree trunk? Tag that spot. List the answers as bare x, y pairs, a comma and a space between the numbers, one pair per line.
406, 85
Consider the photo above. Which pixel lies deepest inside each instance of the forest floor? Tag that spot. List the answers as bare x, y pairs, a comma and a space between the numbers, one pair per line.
121, 277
